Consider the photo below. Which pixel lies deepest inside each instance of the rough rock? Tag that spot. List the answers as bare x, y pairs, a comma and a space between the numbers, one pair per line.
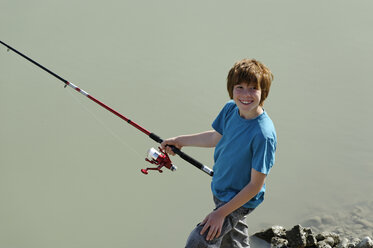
275, 231
365, 243
343, 243
323, 244
310, 238
300, 237
277, 242
353, 243
329, 241
296, 237
329, 237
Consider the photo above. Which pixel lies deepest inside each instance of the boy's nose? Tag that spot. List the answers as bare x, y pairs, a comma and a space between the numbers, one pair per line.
246, 91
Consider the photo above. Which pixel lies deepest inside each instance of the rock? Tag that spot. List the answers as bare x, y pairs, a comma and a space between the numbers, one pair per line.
296, 237
310, 238
365, 243
343, 243
336, 238
277, 242
329, 241
323, 244
275, 231
324, 235
353, 243
330, 238
299, 237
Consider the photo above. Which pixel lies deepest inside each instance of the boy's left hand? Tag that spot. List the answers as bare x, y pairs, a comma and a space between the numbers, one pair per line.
214, 221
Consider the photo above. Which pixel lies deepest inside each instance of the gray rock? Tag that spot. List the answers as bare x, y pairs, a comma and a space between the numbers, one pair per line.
343, 243
365, 243
275, 231
336, 237
296, 237
329, 241
310, 237
277, 242
330, 238
323, 244
299, 237
353, 243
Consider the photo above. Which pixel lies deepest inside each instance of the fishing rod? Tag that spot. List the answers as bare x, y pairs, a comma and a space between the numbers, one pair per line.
157, 157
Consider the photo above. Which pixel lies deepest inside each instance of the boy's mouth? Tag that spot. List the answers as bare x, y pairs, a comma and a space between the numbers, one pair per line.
245, 102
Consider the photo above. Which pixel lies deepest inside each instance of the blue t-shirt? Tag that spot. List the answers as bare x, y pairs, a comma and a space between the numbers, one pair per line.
245, 145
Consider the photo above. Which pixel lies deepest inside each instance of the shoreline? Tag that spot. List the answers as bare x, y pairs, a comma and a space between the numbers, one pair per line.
301, 237
351, 224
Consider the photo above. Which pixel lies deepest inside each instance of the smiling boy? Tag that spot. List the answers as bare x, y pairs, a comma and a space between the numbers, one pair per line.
245, 142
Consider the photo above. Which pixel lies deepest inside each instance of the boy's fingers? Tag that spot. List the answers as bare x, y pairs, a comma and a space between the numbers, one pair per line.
166, 146
218, 233
169, 150
211, 234
205, 227
204, 221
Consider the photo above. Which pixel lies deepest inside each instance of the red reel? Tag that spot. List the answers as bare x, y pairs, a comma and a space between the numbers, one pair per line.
159, 158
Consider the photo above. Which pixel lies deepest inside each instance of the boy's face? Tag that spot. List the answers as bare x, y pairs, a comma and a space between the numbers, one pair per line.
247, 98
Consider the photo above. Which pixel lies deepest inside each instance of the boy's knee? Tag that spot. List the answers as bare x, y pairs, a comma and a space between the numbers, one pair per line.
196, 240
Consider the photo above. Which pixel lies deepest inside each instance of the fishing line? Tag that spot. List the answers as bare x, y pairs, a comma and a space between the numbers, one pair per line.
159, 158
106, 127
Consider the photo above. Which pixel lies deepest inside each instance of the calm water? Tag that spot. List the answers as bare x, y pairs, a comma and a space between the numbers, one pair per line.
70, 171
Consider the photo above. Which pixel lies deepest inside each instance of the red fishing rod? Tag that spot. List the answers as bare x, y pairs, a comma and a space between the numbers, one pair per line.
157, 157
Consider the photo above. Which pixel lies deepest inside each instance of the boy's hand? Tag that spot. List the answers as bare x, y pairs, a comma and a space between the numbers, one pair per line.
214, 221
171, 141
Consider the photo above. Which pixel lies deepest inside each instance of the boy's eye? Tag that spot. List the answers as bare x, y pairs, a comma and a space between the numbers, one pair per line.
250, 87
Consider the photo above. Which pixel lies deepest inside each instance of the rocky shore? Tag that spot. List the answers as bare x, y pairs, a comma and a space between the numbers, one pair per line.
302, 237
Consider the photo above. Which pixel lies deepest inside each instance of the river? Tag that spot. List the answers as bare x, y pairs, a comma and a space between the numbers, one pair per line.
70, 170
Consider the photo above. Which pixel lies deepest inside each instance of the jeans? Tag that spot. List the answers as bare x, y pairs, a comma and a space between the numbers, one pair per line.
234, 232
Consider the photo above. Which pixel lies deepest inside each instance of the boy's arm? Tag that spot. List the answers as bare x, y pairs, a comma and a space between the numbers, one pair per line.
205, 139
215, 219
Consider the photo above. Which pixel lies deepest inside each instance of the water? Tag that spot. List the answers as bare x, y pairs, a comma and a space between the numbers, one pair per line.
70, 171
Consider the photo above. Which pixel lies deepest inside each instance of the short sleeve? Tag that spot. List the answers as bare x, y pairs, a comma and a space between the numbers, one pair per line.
264, 149
219, 122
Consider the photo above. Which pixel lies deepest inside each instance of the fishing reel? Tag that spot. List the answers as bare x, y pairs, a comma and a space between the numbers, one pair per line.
159, 158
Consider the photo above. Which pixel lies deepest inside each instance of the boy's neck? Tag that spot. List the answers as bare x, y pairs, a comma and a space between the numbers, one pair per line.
252, 114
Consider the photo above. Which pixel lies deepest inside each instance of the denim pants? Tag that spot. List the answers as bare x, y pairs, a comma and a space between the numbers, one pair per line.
234, 232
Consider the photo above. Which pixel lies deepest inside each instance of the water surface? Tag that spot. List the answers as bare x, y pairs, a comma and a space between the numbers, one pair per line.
70, 171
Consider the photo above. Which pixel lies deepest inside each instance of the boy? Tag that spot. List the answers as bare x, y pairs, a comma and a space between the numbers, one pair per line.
245, 142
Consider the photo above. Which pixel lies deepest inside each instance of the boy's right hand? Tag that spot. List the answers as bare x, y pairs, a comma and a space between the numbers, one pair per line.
171, 141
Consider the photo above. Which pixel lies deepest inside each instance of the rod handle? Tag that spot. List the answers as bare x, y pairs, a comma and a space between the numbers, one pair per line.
191, 160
